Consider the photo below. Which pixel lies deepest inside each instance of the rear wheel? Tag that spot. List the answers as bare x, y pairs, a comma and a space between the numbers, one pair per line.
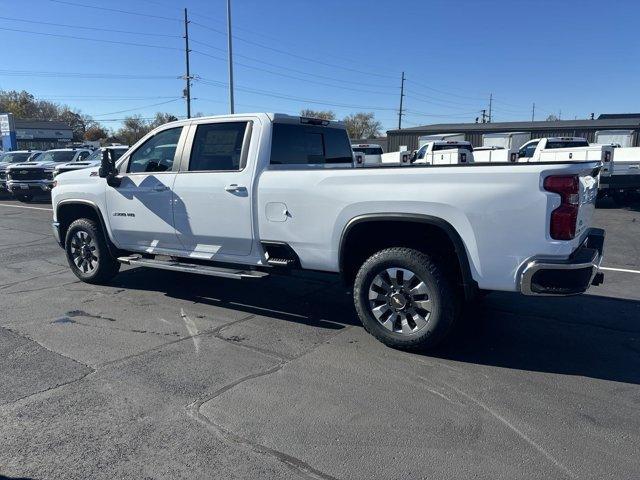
88, 254
404, 299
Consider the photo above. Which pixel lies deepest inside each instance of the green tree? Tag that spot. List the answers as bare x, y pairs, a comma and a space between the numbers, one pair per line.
323, 114
362, 125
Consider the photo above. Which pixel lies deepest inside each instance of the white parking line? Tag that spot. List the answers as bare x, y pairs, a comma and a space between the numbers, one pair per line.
626, 270
24, 206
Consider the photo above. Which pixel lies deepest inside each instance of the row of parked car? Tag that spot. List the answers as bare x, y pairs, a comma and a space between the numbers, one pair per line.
619, 176
27, 173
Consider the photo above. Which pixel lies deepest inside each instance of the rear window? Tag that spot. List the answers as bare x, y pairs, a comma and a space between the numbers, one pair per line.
452, 146
368, 150
309, 145
567, 144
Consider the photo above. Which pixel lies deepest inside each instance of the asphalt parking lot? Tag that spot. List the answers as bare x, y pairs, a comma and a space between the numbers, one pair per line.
163, 375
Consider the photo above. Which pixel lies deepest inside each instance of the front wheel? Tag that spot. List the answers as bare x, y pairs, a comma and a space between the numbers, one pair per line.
88, 254
404, 300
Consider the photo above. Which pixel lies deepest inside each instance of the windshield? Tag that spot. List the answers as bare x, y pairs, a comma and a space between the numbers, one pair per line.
57, 156
567, 143
368, 150
451, 146
15, 157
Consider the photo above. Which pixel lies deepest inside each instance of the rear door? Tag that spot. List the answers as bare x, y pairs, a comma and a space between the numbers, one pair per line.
214, 190
140, 209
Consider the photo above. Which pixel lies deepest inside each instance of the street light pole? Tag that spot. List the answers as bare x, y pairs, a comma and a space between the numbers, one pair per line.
230, 48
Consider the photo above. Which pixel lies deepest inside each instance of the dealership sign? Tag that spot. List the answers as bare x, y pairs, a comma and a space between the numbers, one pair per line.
7, 130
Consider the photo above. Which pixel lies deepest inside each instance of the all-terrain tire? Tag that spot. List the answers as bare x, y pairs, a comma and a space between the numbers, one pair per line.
438, 295
88, 253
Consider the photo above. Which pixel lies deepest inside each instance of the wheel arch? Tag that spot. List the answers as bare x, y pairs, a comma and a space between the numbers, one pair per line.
353, 230
68, 211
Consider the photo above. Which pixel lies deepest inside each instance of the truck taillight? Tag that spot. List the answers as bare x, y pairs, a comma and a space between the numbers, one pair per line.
463, 157
514, 157
564, 218
607, 156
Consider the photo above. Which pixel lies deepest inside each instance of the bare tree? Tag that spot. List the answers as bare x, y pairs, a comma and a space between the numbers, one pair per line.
362, 125
323, 114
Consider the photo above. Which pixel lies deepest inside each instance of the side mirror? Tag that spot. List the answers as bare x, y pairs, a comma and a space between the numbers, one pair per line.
414, 156
108, 168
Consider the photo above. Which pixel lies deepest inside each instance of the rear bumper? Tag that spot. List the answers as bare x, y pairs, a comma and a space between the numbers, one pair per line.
571, 276
16, 186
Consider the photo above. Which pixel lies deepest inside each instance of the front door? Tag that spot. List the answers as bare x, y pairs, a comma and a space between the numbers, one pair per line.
140, 209
213, 192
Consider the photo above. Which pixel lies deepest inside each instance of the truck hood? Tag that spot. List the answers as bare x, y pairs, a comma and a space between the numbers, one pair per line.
75, 165
82, 174
29, 165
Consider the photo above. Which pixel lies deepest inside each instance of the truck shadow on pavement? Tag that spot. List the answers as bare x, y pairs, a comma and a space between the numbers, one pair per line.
591, 336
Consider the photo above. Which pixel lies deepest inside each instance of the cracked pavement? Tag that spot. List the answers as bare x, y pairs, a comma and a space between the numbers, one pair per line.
163, 375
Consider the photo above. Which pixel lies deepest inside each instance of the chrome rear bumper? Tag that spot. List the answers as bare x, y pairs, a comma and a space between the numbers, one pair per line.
571, 276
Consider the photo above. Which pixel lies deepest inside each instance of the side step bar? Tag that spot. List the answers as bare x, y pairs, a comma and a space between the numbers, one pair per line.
176, 266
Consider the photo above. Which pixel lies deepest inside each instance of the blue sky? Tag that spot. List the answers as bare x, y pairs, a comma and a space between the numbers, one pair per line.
576, 57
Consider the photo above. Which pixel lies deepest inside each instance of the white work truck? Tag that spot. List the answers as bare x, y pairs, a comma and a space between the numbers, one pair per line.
500, 147
371, 152
567, 149
250, 195
453, 137
444, 152
624, 183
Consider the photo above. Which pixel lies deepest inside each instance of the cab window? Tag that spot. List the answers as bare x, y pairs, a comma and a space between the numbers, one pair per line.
528, 150
156, 154
218, 147
422, 152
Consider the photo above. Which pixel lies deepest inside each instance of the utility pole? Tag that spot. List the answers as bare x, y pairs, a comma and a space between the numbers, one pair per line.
560, 114
401, 98
490, 105
229, 43
533, 112
187, 90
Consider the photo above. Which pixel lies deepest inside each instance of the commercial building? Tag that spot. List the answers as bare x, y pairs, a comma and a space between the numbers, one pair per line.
560, 128
20, 134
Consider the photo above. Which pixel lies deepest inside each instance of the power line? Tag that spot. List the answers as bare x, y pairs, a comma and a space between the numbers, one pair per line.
280, 74
295, 55
138, 108
31, 73
302, 72
115, 10
445, 93
73, 37
110, 30
289, 97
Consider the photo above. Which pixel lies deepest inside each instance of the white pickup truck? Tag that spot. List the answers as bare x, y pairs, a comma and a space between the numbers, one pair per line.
444, 152
624, 183
500, 147
372, 153
249, 195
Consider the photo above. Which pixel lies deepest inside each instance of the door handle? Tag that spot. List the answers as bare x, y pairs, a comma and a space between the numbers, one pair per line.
160, 188
234, 187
